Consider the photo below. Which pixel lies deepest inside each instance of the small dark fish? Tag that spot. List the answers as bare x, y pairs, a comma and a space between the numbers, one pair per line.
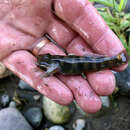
71, 65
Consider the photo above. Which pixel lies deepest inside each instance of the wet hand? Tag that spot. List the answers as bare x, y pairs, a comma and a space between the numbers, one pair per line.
76, 26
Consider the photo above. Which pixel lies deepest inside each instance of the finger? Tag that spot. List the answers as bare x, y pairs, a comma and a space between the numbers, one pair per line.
103, 82
23, 64
83, 93
85, 20
61, 33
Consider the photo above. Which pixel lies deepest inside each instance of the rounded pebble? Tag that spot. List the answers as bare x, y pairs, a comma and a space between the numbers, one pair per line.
57, 127
5, 99
56, 113
34, 116
12, 119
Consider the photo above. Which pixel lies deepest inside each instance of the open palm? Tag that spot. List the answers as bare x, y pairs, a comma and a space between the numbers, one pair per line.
77, 27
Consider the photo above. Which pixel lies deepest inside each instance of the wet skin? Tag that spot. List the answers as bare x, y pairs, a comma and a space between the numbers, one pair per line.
72, 25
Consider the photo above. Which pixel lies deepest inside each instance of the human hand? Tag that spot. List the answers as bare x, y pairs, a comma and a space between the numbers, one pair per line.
23, 22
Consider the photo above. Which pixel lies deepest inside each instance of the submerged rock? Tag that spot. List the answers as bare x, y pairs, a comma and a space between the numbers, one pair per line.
56, 113
123, 81
12, 119
34, 116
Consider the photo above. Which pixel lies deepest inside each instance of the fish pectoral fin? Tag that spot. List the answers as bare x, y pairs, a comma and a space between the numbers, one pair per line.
52, 69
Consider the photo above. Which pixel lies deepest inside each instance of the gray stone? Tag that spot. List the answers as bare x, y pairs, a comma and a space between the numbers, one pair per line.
12, 104
24, 86
57, 127
123, 81
105, 101
34, 116
56, 113
79, 124
12, 119
4, 100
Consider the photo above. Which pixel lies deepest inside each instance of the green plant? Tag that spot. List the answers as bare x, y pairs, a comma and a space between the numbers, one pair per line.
116, 19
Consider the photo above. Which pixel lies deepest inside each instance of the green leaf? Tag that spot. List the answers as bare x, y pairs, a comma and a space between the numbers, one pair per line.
106, 15
115, 6
129, 54
122, 5
127, 16
124, 25
123, 40
116, 19
129, 40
